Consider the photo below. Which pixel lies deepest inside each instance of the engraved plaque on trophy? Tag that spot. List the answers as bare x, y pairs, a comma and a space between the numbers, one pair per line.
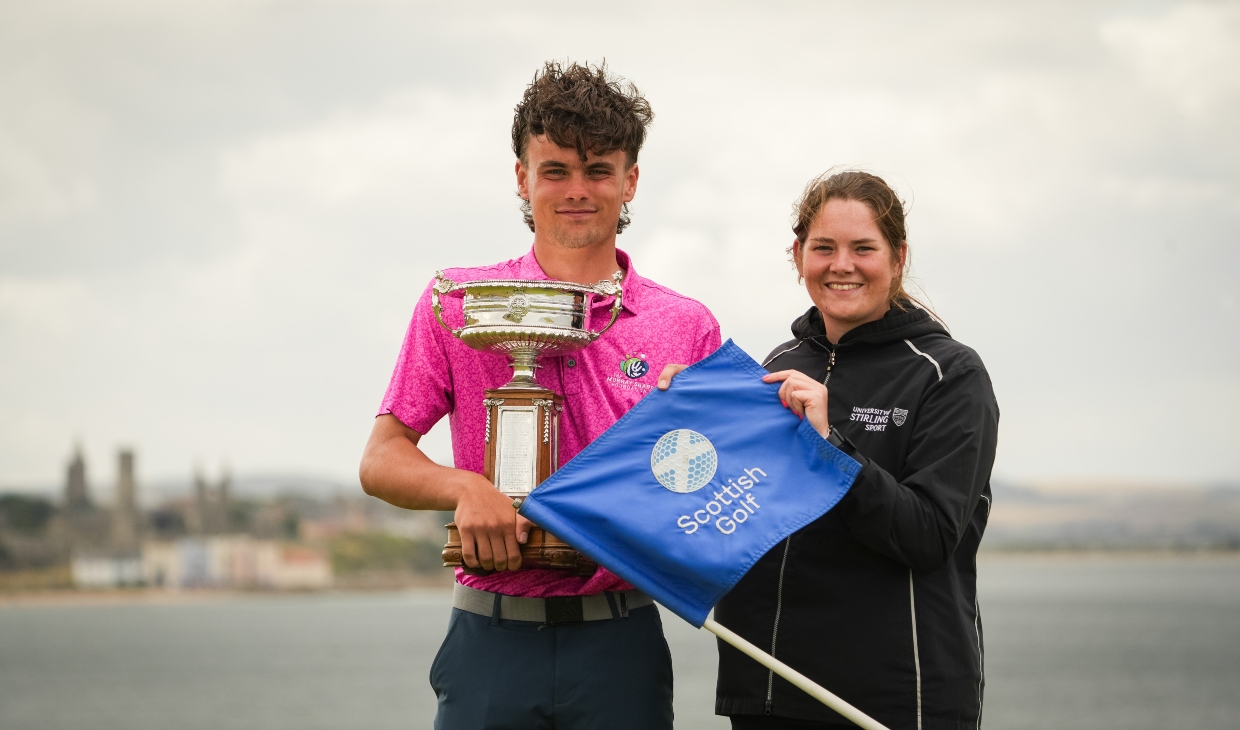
523, 320
517, 471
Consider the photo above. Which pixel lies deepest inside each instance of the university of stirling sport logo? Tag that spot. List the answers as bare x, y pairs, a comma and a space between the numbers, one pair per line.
683, 461
634, 366
899, 415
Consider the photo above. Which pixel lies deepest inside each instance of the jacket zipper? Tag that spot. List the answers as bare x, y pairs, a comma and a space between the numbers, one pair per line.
779, 605
779, 591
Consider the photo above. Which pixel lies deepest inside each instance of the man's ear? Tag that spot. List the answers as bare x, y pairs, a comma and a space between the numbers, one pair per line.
630, 183
523, 181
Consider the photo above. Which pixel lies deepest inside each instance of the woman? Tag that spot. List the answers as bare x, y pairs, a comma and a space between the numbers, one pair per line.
876, 600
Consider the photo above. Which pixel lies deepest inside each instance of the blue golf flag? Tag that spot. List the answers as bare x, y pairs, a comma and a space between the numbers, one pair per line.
693, 485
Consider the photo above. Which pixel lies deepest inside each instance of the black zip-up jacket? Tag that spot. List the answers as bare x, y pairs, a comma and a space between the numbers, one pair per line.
877, 599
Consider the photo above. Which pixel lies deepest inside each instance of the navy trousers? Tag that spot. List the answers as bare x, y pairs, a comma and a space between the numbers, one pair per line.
492, 674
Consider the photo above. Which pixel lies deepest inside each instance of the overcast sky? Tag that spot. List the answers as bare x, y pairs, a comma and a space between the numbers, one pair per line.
215, 217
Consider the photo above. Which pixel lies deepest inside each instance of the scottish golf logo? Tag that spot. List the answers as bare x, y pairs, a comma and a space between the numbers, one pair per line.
683, 461
634, 366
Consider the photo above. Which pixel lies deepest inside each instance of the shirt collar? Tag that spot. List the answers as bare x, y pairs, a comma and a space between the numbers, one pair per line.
529, 268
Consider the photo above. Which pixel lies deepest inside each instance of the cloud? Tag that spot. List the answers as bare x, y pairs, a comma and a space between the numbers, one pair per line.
41, 306
215, 218
30, 188
422, 149
1189, 51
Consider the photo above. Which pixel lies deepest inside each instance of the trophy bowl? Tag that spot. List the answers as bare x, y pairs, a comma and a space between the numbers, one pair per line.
524, 320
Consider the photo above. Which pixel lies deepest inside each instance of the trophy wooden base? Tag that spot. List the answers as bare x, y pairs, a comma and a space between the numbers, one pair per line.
523, 440
542, 550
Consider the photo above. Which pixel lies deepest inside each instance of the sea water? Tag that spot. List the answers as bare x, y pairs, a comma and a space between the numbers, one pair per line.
1071, 642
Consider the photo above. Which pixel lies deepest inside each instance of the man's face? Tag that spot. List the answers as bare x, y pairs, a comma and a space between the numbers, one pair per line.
575, 203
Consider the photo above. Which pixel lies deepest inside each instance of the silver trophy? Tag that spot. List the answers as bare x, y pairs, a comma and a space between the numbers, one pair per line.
524, 319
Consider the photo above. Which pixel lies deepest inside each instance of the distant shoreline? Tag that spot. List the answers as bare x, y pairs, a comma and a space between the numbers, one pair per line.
1072, 553
439, 585
163, 596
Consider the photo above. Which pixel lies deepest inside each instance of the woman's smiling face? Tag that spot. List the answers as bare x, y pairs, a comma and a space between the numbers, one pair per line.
848, 266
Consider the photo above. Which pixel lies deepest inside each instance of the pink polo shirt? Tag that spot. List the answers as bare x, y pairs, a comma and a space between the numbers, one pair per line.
437, 375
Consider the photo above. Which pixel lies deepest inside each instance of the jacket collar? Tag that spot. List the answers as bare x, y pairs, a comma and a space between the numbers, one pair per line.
913, 321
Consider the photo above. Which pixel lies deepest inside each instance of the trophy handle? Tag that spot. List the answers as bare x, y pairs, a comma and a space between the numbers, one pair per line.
609, 288
443, 285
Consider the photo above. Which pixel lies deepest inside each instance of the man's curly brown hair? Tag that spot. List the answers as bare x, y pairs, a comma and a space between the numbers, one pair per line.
583, 107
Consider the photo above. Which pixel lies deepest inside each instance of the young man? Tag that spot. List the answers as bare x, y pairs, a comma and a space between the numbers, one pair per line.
576, 134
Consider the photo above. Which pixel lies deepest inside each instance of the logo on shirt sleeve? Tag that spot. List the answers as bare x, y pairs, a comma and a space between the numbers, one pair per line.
634, 366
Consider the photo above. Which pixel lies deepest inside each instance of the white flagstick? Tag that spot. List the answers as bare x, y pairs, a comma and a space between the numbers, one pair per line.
793, 676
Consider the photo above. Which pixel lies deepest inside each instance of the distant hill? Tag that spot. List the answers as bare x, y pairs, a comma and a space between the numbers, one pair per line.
1032, 516
252, 486
1114, 516
262, 486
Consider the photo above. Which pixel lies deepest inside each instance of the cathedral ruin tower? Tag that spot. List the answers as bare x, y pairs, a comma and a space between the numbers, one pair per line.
125, 510
77, 494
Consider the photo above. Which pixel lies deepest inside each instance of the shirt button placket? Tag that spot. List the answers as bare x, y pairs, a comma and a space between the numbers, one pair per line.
572, 375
